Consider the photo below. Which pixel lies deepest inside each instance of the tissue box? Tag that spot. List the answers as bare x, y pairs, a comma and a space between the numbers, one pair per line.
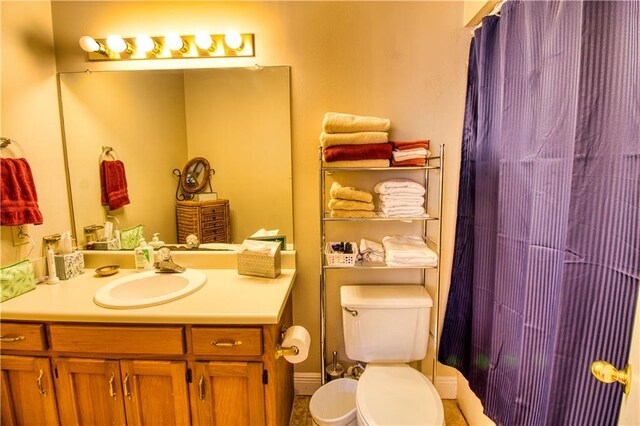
259, 264
111, 244
17, 279
69, 265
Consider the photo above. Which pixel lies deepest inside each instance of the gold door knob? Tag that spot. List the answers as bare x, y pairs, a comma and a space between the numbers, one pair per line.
607, 373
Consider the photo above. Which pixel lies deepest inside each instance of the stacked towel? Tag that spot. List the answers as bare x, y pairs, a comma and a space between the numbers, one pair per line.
113, 181
408, 251
19, 200
350, 202
371, 251
410, 153
355, 141
401, 198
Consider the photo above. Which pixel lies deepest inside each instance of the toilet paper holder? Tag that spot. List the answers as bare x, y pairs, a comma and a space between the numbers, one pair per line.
285, 350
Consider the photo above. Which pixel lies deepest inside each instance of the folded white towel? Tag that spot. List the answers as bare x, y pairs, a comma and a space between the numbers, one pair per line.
407, 154
399, 186
390, 201
336, 122
404, 211
408, 251
359, 138
371, 251
418, 199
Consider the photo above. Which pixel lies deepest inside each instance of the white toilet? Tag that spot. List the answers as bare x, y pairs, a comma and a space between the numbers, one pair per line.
387, 326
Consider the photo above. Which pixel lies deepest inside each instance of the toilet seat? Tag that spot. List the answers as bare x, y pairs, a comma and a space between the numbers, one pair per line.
396, 394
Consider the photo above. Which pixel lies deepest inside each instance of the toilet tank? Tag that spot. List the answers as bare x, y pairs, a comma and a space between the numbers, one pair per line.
385, 323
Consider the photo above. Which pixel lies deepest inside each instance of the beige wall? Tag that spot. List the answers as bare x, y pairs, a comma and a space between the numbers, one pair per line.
402, 60
30, 116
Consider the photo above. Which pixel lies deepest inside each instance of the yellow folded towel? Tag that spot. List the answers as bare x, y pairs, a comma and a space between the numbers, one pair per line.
356, 163
336, 204
359, 138
336, 122
350, 193
352, 213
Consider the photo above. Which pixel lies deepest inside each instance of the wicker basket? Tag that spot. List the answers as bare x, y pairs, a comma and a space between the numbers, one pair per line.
259, 264
340, 259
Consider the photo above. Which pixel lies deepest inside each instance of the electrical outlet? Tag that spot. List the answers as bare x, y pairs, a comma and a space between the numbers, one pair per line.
20, 235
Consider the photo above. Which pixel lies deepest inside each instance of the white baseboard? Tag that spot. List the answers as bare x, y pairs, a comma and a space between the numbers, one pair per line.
447, 387
308, 383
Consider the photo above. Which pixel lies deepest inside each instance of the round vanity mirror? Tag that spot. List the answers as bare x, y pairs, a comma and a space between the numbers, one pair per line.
195, 175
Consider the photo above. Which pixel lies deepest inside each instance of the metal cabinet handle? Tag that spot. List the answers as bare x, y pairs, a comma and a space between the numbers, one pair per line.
125, 385
226, 343
201, 388
7, 339
42, 391
112, 391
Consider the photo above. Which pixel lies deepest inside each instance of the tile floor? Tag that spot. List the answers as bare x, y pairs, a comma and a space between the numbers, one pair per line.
300, 415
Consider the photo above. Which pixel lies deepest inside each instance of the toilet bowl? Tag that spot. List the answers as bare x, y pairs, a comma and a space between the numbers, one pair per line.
396, 394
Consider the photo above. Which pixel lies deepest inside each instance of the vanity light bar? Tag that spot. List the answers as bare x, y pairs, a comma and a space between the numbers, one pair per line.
168, 47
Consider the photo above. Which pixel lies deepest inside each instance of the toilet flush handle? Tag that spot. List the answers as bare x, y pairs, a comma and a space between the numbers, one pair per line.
353, 312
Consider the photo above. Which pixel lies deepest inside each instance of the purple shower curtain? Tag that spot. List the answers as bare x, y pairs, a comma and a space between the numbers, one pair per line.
546, 263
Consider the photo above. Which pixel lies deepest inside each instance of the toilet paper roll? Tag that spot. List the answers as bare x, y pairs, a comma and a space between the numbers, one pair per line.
299, 337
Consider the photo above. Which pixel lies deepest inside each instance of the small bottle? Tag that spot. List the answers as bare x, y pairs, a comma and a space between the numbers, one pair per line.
143, 256
155, 241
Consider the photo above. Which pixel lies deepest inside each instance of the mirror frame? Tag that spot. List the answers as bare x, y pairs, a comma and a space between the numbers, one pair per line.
186, 172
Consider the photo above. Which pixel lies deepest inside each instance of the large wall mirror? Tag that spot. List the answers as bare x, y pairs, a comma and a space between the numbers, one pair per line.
238, 119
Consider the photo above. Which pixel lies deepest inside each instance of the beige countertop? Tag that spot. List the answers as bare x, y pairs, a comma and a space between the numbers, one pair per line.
226, 298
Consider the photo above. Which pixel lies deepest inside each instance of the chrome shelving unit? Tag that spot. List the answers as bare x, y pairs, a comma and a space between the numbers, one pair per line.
326, 218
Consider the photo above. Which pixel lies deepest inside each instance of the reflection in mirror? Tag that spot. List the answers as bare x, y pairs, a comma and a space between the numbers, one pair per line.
195, 176
238, 119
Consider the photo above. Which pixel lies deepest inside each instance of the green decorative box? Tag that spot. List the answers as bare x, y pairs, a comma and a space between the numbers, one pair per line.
17, 279
69, 265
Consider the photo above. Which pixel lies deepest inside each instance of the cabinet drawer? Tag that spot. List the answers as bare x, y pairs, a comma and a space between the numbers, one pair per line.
120, 340
211, 213
28, 337
226, 341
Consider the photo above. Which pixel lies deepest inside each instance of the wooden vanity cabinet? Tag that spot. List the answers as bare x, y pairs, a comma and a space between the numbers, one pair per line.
206, 375
27, 395
134, 392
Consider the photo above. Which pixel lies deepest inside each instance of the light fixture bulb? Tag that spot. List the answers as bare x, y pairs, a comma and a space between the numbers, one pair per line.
203, 41
117, 43
89, 44
145, 44
233, 40
174, 41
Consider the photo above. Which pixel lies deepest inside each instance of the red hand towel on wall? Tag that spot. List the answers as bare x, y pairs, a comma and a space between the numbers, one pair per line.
374, 151
19, 200
113, 182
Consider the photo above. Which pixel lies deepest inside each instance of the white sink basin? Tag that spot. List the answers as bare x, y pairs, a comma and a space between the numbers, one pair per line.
148, 289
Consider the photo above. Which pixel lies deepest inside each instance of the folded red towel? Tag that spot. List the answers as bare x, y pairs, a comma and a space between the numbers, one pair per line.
410, 144
19, 200
414, 162
374, 151
113, 182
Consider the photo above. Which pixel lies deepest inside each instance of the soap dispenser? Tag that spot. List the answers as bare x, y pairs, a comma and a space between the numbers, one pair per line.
143, 256
156, 243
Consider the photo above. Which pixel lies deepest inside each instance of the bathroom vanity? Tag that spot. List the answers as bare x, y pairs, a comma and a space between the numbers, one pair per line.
207, 358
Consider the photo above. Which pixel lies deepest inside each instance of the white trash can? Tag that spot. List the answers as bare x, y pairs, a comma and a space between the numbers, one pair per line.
334, 404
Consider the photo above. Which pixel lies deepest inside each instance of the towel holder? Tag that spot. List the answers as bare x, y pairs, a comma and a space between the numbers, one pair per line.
4, 142
107, 151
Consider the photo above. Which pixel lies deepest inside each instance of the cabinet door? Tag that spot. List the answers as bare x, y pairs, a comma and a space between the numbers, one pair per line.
89, 392
227, 393
155, 392
28, 395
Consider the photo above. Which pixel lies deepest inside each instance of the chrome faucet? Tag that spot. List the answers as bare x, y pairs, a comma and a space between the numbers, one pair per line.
165, 264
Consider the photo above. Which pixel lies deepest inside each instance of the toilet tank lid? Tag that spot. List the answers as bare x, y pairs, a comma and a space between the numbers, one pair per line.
385, 296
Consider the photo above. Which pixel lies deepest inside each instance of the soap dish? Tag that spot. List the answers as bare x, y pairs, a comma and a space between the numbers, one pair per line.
107, 270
